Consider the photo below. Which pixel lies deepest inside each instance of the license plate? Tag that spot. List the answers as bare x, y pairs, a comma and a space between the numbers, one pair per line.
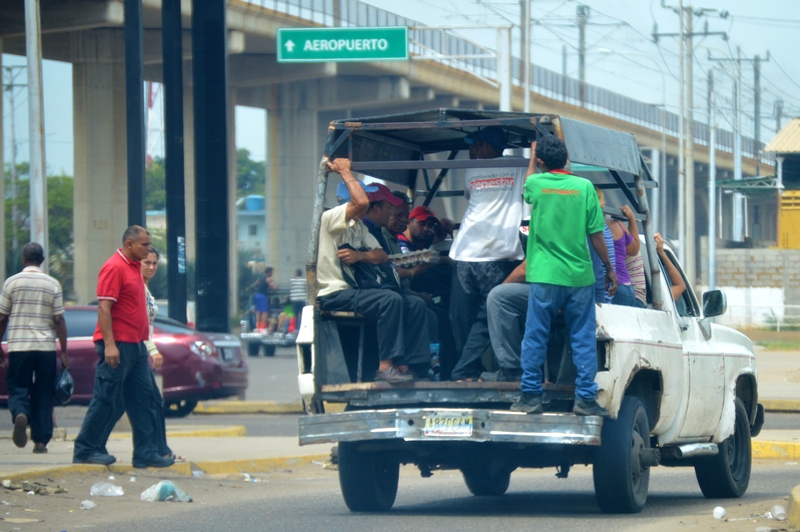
448, 424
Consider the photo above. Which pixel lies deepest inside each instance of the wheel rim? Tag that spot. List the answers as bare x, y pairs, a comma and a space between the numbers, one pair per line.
637, 448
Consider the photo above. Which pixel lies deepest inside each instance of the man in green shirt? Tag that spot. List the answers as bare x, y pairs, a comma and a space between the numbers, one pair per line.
564, 210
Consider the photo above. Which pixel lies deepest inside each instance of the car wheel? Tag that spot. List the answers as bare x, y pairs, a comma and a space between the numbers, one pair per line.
269, 350
253, 349
727, 475
484, 482
621, 470
180, 408
368, 479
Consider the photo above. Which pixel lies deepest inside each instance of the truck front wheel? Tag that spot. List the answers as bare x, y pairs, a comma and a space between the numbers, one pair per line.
620, 470
253, 349
485, 482
727, 475
368, 479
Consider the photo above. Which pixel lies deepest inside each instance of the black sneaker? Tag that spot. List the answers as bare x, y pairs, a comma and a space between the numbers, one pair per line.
502, 375
528, 403
20, 434
588, 408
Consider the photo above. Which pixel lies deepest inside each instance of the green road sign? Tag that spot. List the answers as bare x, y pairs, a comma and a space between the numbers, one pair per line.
309, 45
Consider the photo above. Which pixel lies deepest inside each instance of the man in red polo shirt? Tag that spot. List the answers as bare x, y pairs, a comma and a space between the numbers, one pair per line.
122, 379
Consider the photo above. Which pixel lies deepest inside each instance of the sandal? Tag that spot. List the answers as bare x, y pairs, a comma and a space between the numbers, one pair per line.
175, 457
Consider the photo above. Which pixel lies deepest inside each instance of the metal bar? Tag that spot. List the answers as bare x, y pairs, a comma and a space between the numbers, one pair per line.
400, 126
134, 111
172, 34
210, 76
649, 237
439, 180
316, 221
625, 190
38, 180
441, 193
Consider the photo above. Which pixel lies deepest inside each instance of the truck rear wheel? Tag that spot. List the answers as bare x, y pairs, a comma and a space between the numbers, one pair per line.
269, 350
621, 478
727, 475
253, 349
485, 482
368, 478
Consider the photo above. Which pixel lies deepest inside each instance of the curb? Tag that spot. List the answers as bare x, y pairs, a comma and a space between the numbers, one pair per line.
793, 511
775, 450
237, 431
248, 407
186, 469
781, 405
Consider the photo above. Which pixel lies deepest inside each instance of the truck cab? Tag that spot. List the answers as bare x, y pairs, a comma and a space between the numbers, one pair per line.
680, 390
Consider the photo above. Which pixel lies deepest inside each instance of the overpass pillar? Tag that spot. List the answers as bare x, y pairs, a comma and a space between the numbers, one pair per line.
101, 182
295, 139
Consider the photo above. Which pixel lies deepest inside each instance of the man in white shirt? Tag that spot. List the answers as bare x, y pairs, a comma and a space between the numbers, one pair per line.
401, 327
32, 310
487, 247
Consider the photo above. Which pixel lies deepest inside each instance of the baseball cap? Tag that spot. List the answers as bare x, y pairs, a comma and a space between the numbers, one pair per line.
343, 194
383, 193
492, 135
422, 213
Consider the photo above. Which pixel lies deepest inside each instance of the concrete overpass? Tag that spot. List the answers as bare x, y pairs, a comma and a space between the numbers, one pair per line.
300, 100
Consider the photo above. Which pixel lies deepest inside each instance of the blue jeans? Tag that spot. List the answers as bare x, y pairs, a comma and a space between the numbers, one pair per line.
625, 296
579, 313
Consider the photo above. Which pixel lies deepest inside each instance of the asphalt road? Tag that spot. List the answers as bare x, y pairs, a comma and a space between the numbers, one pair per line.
309, 499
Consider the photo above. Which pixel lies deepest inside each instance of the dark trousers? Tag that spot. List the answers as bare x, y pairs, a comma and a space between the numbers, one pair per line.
402, 322
472, 282
129, 384
31, 380
297, 309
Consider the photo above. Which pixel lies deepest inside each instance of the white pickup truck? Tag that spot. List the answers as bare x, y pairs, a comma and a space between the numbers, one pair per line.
680, 390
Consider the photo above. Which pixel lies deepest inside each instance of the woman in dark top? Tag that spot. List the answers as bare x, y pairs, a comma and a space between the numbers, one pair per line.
261, 298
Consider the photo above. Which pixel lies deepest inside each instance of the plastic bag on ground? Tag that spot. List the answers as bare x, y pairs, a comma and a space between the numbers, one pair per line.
165, 491
88, 505
106, 489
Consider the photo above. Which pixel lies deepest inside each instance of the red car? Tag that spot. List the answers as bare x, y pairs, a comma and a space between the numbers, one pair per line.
197, 366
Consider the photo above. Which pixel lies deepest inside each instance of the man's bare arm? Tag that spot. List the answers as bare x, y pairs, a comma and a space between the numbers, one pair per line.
351, 256
3, 326
532, 162
61, 332
678, 285
104, 323
518, 274
359, 202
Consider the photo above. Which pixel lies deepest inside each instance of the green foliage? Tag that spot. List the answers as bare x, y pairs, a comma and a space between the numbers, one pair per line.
155, 185
60, 215
250, 174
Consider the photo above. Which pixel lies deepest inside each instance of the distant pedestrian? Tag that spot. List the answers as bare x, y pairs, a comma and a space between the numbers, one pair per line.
298, 294
32, 309
123, 374
263, 286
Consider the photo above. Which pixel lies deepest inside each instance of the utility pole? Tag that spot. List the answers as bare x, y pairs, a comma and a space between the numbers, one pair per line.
583, 16
778, 115
526, 52
686, 178
564, 71
38, 181
712, 188
738, 199
11, 85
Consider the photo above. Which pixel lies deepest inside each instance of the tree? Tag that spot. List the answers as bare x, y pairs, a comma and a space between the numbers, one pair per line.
59, 219
249, 174
155, 185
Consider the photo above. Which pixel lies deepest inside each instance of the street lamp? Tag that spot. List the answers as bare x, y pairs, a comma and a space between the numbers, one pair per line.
659, 216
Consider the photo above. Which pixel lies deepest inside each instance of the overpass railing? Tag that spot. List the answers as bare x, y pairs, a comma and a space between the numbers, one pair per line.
446, 48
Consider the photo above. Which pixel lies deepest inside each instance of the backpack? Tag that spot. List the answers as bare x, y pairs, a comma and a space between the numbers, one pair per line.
366, 276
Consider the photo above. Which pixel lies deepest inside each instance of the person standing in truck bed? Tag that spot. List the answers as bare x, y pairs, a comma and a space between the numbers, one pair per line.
564, 211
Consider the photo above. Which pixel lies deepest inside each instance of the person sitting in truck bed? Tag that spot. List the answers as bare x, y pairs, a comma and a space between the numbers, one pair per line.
487, 247
342, 225
564, 210
677, 284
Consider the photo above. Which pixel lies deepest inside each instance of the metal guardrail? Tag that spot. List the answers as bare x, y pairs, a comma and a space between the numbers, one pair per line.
543, 81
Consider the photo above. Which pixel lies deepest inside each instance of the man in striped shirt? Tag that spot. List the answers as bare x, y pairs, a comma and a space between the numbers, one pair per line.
32, 310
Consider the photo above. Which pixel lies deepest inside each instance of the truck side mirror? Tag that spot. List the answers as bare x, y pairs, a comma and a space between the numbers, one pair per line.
714, 303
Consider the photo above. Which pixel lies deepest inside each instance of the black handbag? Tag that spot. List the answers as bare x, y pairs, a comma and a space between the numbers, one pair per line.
366, 276
64, 387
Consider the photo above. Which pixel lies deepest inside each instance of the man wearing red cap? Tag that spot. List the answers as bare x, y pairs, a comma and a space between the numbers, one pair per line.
419, 233
487, 247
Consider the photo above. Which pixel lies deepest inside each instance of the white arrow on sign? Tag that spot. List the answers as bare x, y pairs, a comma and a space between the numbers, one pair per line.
289, 46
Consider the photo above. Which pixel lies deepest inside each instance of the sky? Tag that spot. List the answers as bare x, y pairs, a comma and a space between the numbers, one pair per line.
621, 56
